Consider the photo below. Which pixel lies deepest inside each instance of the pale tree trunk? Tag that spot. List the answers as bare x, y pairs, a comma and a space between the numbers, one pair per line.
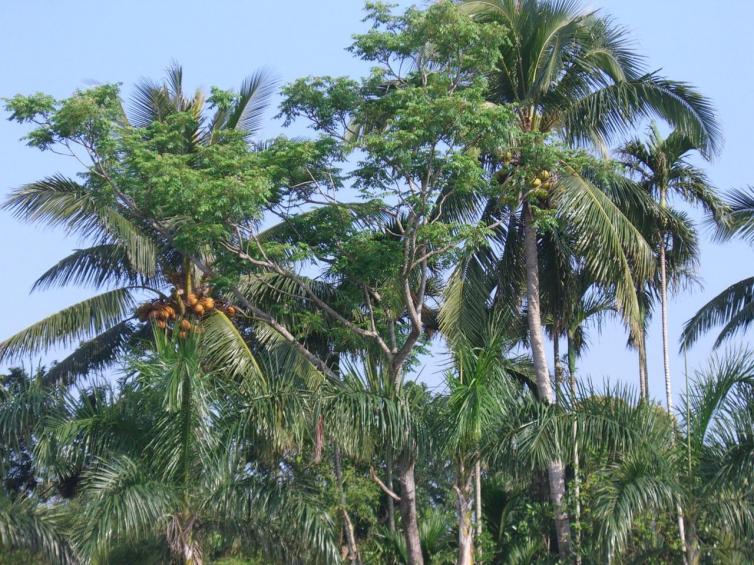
463, 512
641, 345
408, 508
555, 471
664, 315
693, 552
390, 501
576, 476
666, 359
353, 549
478, 504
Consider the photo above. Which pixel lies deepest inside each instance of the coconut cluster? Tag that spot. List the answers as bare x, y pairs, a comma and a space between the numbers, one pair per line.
165, 313
542, 183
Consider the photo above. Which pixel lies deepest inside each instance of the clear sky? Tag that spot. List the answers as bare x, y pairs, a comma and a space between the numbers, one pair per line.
57, 47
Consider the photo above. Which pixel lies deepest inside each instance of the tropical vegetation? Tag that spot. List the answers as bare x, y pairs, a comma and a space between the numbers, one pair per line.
242, 388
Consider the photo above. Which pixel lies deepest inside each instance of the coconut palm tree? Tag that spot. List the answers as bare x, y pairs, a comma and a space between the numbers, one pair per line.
733, 308
127, 256
571, 73
663, 169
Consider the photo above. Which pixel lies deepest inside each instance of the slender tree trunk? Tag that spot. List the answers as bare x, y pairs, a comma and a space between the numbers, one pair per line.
408, 508
664, 315
641, 345
390, 501
353, 549
464, 512
576, 470
687, 550
555, 472
478, 504
693, 553
556, 363
642, 390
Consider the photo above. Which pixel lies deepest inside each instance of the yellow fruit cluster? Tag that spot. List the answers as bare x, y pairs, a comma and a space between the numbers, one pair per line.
164, 313
542, 183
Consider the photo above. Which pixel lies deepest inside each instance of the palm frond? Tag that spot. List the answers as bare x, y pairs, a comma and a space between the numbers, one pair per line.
121, 502
61, 202
614, 249
734, 307
253, 98
225, 349
92, 355
32, 527
84, 320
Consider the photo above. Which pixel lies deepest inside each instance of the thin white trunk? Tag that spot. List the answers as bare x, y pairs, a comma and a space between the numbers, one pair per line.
555, 471
576, 469
408, 510
664, 316
464, 512
478, 504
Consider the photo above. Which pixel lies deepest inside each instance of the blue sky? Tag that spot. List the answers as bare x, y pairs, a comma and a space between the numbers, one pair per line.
57, 47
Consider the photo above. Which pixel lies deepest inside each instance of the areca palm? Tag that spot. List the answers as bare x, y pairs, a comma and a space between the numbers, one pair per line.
571, 73
127, 256
733, 308
165, 461
663, 169
705, 469
479, 383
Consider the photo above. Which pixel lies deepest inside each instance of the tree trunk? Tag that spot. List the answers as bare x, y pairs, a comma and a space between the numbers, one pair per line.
555, 471
478, 504
463, 513
353, 549
641, 345
556, 363
390, 501
693, 553
576, 477
664, 316
408, 508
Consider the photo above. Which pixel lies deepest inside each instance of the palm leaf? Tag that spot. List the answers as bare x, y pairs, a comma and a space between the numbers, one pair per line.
84, 320
31, 527
93, 355
226, 350
734, 307
58, 201
614, 249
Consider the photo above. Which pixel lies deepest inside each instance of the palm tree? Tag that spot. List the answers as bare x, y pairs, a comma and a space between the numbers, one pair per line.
166, 459
479, 384
127, 256
704, 466
733, 307
572, 73
663, 170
